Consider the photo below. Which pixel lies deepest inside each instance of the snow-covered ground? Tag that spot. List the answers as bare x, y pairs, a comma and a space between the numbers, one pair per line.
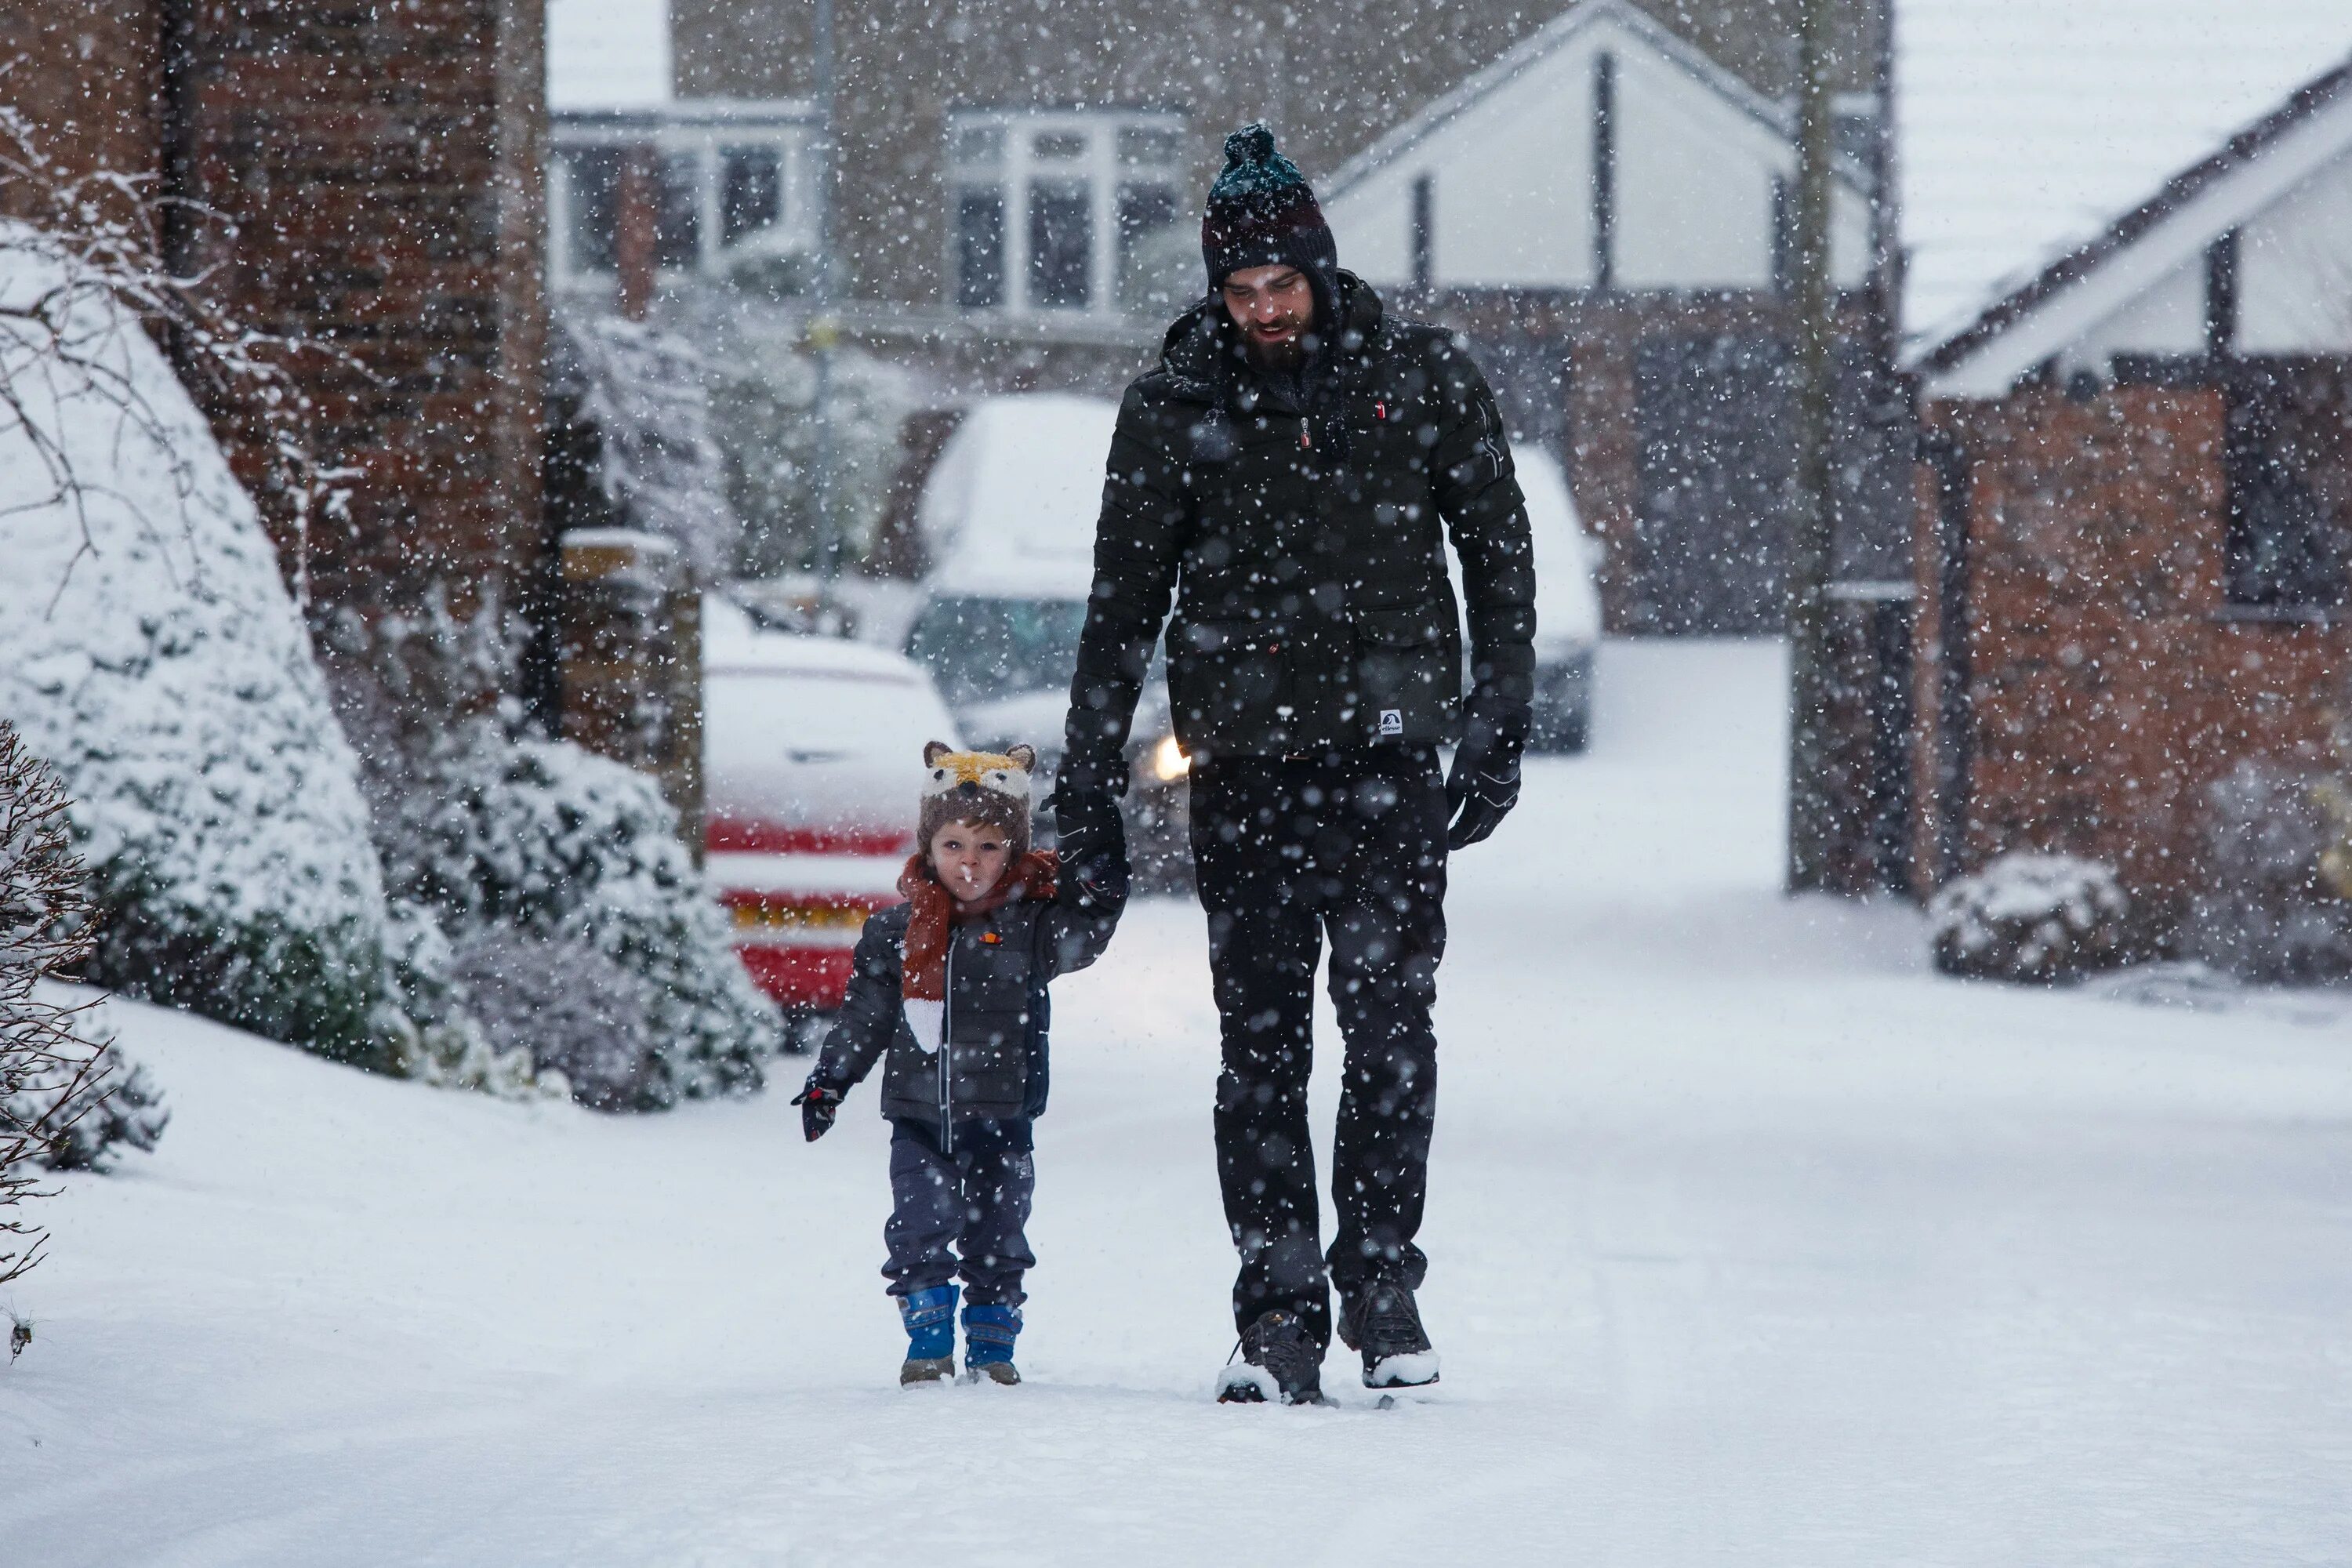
1751, 1242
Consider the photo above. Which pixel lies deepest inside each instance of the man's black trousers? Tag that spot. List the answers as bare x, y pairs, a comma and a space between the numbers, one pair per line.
1350, 843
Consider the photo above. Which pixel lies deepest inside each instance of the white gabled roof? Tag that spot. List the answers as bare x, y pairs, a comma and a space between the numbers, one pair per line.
1531, 52
607, 54
2027, 127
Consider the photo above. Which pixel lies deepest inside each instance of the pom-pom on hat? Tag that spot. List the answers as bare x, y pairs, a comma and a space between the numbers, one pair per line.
1263, 213
986, 789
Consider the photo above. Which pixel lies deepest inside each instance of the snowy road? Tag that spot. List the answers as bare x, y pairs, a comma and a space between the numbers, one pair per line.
1752, 1243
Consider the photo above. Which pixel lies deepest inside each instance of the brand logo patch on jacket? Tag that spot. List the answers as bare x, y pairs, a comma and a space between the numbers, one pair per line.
1391, 722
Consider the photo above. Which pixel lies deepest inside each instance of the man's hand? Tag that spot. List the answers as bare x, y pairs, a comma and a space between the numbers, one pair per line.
1485, 781
819, 1103
1090, 834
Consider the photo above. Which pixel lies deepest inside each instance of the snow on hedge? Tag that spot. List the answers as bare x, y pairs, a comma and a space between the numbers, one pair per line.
150, 651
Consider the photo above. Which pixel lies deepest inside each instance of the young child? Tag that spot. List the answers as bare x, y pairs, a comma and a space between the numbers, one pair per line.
950, 991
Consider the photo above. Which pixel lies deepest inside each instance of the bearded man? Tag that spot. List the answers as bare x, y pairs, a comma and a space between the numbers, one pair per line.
1289, 473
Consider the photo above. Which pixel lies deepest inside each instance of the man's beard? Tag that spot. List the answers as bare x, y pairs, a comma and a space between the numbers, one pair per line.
1284, 354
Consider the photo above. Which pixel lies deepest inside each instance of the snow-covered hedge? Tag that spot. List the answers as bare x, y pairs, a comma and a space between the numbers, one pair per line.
150, 651
551, 845
2032, 918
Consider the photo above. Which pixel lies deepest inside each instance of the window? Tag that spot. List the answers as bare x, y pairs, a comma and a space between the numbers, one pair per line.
752, 192
2285, 455
1061, 244
1055, 210
717, 190
979, 249
593, 177
1144, 211
678, 211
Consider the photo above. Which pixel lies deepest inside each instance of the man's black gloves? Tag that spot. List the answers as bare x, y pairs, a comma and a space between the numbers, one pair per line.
819, 1103
1088, 831
1485, 781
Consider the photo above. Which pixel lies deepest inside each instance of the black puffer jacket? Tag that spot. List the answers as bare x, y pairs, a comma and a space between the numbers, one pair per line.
1306, 545
997, 969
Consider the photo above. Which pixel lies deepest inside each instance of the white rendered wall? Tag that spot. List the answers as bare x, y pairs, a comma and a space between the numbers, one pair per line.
2294, 270
2168, 319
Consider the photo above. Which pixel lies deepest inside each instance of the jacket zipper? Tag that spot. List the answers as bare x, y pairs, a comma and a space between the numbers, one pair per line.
947, 1051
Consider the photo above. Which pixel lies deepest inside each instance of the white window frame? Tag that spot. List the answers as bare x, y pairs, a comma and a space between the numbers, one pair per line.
1018, 170
705, 132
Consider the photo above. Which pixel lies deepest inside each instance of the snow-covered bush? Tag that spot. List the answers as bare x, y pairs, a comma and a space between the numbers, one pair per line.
66, 1101
150, 652
566, 1005
2032, 918
2264, 910
635, 434
511, 859
546, 840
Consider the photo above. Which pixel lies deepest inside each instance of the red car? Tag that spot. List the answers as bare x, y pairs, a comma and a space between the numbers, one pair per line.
813, 752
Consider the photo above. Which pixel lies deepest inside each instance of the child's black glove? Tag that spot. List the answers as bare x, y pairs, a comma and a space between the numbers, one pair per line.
819, 1105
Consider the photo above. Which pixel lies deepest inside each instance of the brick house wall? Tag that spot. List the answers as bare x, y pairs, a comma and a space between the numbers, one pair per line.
2080, 678
85, 73
382, 166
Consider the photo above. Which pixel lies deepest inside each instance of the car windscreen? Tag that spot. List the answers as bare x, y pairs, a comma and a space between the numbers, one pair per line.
979, 649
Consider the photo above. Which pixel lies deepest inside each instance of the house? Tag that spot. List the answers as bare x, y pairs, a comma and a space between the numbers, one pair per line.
2133, 548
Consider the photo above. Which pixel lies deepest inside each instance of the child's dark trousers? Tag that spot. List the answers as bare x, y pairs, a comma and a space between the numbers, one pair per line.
961, 1210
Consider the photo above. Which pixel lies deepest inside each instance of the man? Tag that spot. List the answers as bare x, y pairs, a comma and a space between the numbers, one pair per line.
1284, 472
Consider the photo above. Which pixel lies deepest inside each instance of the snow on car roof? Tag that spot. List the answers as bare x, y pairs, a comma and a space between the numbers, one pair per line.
2027, 126
733, 644
607, 54
1010, 507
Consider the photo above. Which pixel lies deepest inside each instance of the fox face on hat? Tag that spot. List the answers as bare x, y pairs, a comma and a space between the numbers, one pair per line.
1262, 213
985, 789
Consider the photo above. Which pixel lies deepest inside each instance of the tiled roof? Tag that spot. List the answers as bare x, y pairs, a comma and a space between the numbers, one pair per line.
2028, 127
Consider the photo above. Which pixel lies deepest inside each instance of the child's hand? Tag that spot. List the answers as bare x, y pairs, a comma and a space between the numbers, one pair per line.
819, 1105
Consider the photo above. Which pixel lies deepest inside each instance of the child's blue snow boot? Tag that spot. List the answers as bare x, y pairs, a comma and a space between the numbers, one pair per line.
930, 1317
988, 1336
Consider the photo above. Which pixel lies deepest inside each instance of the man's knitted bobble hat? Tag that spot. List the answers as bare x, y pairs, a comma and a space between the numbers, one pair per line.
1262, 213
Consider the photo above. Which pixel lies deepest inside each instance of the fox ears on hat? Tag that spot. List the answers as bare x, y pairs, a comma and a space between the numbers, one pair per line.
1006, 771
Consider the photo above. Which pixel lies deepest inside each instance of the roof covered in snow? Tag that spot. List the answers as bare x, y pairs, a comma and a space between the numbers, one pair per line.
2027, 127
607, 54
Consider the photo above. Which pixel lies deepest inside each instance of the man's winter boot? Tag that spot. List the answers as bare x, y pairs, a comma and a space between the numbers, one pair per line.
988, 1335
1384, 1324
1280, 1360
930, 1317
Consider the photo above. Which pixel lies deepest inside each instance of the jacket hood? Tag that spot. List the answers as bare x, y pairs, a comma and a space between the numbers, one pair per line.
1200, 350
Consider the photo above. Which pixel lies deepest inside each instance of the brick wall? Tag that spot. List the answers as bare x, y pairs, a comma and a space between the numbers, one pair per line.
382, 166
2107, 684
84, 72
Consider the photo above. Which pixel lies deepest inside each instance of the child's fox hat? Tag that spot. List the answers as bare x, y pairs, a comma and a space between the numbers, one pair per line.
986, 789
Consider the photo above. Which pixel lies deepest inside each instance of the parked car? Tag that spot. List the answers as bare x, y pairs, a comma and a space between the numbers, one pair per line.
1008, 517
1567, 605
811, 749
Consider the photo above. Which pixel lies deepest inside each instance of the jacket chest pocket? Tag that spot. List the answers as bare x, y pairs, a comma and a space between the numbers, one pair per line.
1408, 669
1229, 686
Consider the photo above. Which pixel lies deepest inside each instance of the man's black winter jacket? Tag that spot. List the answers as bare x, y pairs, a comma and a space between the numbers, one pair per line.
1306, 545
994, 1064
